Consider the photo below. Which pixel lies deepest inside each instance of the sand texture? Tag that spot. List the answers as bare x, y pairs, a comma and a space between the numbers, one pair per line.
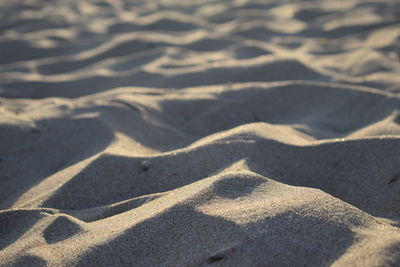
197, 133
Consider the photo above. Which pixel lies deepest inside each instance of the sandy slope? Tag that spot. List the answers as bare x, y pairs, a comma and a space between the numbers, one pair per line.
196, 133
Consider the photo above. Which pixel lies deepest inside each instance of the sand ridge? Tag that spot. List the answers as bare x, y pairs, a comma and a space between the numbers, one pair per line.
196, 133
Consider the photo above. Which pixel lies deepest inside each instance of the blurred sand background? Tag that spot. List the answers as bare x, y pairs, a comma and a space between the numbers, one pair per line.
196, 133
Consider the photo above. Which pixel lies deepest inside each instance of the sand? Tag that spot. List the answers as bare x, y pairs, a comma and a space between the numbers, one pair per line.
196, 133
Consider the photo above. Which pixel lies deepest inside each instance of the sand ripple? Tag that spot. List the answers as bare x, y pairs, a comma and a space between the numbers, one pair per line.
173, 133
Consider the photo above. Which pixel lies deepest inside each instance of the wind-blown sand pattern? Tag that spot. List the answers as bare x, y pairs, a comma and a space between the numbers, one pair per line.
196, 133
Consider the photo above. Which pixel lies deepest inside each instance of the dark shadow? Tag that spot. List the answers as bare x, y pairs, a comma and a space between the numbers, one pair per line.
44, 149
144, 125
209, 45
14, 223
273, 71
127, 48
341, 169
181, 236
393, 255
259, 33
246, 52
236, 186
124, 27
328, 112
117, 178
311, 14
290, 239
12, 51
60, 229
167, 24
28, 260
33, 24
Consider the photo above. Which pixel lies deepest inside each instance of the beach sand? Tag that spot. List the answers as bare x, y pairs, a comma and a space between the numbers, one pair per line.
196, 133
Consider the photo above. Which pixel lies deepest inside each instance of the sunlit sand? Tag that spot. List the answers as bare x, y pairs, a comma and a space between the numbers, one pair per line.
196, 133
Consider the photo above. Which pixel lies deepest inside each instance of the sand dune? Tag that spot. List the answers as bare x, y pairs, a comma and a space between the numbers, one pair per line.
196, 133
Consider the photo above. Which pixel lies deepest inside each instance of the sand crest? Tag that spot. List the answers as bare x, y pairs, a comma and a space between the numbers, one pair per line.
197, 133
